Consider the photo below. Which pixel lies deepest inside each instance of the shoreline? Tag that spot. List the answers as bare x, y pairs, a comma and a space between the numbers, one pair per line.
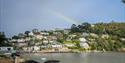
75, 52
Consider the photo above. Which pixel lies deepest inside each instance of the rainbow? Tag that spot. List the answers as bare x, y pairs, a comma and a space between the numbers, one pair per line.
62, 16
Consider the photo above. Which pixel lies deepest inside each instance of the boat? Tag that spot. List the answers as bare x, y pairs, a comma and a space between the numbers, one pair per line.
31, 61
43, 59
52, 61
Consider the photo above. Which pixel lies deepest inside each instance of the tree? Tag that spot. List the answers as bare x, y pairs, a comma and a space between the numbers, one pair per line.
86, 25
123, 1
74, 28
27, 33
3, 40
15, 37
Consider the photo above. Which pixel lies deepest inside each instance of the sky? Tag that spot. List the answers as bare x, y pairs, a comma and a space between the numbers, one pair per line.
17, 16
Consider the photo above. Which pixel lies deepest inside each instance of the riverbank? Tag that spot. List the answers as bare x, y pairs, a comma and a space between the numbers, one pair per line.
97, 52
71, 51
106, 57
56, 55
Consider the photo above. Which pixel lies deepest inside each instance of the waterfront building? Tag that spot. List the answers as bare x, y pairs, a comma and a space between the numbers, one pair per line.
84, 43
6, 50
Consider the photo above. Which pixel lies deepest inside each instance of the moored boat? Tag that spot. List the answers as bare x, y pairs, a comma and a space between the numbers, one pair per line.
52, 61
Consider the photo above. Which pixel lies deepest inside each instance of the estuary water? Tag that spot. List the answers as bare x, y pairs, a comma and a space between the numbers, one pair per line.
109, 57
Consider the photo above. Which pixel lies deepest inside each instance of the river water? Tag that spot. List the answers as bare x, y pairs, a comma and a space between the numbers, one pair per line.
79, 57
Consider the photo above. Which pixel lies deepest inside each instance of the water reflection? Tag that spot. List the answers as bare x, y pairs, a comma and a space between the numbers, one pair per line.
80, 57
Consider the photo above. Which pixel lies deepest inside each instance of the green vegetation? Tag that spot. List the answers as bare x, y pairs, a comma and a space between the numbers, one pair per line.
114, 32
3, 40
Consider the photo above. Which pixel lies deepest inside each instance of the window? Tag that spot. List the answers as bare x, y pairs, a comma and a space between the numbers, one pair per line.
8, 49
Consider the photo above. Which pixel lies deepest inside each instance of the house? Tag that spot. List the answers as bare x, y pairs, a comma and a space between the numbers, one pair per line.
27, 49
27, 39
31, 34
44, 46
57, 32
6, 49
83, 43
45, 41
52, 38
51, 41
71, 37
85, 34
92, 25
94, 35
21, 35
44, 33
82, 40
31, 49
69, 45
122, 39
105, 36
35, 30
56, 45
36, 48
21, 42
66, 31
39, 36
13, 40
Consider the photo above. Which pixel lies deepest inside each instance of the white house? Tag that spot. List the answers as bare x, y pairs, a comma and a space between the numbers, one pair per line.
31, 34
123, 39
94, 35
82, 39
92, 25
39, 36
13, 40
21, 40
71, 36
105, 36
66, 31
85, 34
21, 44
57, 46
32, 48
45, 41
83, 43
44, 33
27, 39
69, 45
36, 48
43, 46
6, 49
53, 37
51, 41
